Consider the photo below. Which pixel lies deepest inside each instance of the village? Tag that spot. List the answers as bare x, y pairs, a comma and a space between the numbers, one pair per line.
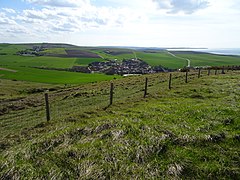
34, 51
110, 67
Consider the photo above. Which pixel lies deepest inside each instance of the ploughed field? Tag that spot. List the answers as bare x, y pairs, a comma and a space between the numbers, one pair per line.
189, 132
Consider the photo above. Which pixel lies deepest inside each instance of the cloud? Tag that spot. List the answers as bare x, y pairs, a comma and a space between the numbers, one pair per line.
17, 30
68, 19
59, 3
35, 14
9, 27
185, 6
8, 10
5, 20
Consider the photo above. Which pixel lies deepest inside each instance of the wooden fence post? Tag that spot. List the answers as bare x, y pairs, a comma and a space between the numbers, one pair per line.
209, 72
186, 80
146, 86
215, 71
199, 72
47, 107
223, 70
170, 81
111, 93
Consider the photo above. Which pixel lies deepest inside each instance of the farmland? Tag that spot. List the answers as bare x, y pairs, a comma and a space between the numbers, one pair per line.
191, 131
53, 76
155, 58
26, 66
210, 59
42, 64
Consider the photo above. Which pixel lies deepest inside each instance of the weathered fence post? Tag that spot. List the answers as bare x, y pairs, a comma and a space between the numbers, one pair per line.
209, 72
111, 93
199, 72
216, 71
146, 86
170, 81
47, 107
186, 79
223, 70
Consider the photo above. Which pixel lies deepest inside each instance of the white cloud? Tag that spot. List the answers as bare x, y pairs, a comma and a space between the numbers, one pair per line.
9, 27
60, 3
9, 10
113, 22
75, 19
185, 6
5, 20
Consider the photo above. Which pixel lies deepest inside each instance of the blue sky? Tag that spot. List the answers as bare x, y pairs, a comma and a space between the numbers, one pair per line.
150, 23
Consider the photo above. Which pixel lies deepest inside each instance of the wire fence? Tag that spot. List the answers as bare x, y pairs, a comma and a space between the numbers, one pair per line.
87, 99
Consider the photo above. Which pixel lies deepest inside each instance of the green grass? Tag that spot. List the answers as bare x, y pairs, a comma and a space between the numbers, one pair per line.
119, 57
52, 76
11, 89
55, 51
211, 60
42, 61
12, 48
189, 132
86, 61
161, 58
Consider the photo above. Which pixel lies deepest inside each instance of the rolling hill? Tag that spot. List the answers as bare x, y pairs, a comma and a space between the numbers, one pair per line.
33, 61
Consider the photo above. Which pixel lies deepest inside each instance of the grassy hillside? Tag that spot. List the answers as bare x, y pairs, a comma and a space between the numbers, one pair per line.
53, 76
189, 132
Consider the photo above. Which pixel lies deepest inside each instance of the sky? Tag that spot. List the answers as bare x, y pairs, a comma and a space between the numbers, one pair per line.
142, 23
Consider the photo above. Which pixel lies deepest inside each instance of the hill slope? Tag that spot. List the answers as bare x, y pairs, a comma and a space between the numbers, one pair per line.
191, 131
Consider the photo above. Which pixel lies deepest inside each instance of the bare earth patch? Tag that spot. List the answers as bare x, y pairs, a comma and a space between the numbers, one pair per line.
10, 70
79, 53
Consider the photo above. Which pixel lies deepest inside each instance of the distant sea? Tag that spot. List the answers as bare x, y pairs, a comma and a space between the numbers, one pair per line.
226, 51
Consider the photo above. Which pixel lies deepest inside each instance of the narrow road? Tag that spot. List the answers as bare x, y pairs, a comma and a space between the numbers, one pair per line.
188, 60
134, 53
101, 57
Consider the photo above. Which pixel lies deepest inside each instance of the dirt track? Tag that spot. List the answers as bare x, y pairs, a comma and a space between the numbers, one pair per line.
10, 70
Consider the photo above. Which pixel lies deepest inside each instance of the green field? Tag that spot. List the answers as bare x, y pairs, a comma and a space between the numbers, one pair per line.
58, 51
53, 76
55, 56
189, 132
42, 61
25, 71
123, 53
211, 59
86, 61
161, 58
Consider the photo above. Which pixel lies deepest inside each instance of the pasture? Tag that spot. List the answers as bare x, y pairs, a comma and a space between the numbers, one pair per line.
211, 59
188, 132
161, 58
53, 76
